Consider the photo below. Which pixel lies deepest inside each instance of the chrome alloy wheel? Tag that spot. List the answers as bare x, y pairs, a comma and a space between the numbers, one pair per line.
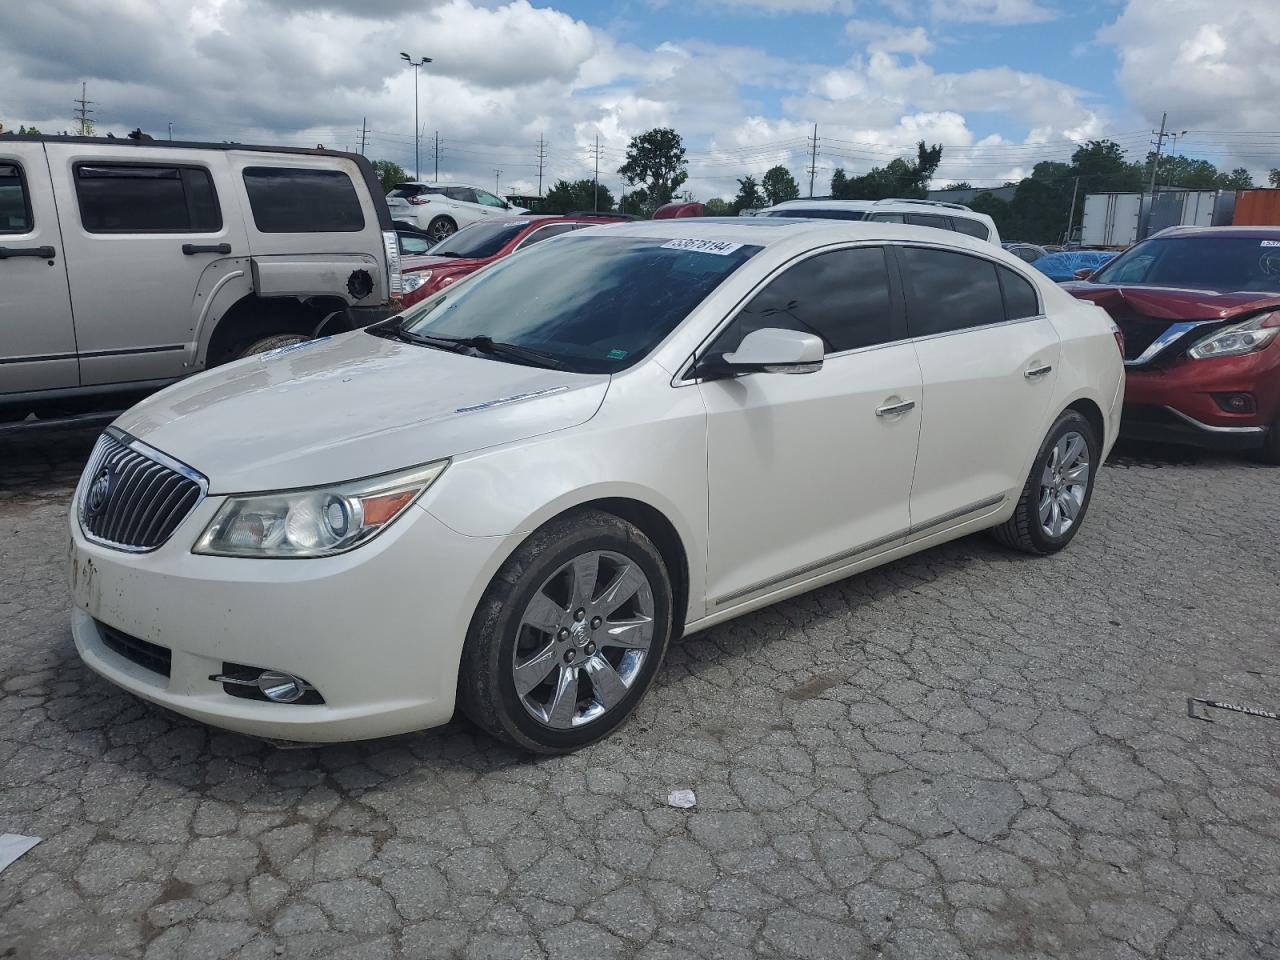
583, 638
1064, 484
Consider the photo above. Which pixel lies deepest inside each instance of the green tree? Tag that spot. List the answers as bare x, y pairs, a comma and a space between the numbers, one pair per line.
566, 196
21, 131
655, 160
719, 207
389, 174
998, 210
1273, 177
839, 183
1237, 179
749, 196
636, 203
1102, 168
1038, 212
960, 185
779, 185
897, 178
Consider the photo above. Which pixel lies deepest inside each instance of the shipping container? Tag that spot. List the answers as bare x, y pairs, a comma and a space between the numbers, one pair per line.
1110, 219
1257, 208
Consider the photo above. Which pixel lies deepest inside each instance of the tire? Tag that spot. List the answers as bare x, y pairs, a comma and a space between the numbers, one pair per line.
1026, 530
537, 583
441, 227
273, 341
1270, 452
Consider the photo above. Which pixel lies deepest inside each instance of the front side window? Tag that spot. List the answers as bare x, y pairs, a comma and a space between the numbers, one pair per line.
887, 217
949, 291
841, 297
972, 228
546, 233
597, 304
1198, 262
15, 205
479, 240
300, 200
146, 198
489, 200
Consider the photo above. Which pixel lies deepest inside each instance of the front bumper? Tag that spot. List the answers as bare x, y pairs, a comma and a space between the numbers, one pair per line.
1163, 424
377, 631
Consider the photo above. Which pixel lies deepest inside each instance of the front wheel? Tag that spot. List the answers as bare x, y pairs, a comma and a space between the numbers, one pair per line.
569, 635
441, 227
1056, 495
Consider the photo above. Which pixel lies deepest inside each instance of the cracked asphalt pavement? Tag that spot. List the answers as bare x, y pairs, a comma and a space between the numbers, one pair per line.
967, 753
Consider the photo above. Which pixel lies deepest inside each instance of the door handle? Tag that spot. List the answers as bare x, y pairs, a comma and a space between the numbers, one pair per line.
1037, 372
893, 409
191, 249
41, 253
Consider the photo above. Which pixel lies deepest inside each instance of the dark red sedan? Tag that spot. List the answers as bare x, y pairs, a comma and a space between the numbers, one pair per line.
480, 244
1199, 308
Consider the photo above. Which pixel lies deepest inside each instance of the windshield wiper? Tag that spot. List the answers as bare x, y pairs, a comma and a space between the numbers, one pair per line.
497, 348
449, 253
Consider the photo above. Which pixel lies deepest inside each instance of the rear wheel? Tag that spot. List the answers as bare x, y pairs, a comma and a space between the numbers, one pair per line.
569, 635
441, 227
1056, 495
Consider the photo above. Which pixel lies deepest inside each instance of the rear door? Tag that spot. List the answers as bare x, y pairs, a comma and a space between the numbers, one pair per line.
37, 336
140, 227
988, 360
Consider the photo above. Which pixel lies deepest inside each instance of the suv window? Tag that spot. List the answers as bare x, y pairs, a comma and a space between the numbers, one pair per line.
15, 205
489, 200
818, 213
842, 296
1020, 298
297, 200
545, 233
146, 198
949, 291
887, 217
928, 220
971, 228
463, 194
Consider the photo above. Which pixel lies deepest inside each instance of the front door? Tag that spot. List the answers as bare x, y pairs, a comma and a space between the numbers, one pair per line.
809, 473
37, 336
988, 357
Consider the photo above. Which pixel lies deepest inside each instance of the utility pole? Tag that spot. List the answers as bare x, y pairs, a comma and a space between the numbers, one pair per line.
1071, 217
542, 157
1155, 166
497, 174
417, 131
437, 155
813, 158
170, 129
83, 112
364, 133
596, 153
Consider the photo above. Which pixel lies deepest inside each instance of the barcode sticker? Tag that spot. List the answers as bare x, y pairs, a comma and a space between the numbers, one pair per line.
1271, 243
721, 248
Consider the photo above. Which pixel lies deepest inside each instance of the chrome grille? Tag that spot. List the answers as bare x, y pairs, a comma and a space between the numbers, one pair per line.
133, 497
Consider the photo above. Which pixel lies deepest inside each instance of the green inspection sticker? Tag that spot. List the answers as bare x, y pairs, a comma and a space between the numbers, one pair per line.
617, 354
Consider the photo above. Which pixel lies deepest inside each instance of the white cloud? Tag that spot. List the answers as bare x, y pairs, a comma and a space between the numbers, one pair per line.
879, 35
1000, 12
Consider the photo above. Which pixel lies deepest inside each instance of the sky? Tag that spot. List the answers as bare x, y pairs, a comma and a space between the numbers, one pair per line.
1000, 84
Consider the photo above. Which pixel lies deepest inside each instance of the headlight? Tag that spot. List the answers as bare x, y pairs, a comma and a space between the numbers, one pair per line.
317, 522
415, 279
1238, 339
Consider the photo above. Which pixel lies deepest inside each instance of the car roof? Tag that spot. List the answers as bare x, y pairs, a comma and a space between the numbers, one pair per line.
1246, 232
891, 203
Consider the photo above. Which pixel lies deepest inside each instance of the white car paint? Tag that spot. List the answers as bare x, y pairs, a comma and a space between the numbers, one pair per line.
884, 211
445, 200
774, 484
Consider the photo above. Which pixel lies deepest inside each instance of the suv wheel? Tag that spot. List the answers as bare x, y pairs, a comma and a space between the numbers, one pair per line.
569, 635
273, 342
441, 227
1056, 495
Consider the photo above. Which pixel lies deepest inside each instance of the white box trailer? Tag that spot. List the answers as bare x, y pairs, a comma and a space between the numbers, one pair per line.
1110, 219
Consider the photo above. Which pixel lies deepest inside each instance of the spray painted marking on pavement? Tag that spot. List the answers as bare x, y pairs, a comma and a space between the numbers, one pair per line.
1198, 709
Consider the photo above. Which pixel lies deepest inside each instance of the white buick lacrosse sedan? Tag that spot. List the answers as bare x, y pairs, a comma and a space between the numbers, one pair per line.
514, 496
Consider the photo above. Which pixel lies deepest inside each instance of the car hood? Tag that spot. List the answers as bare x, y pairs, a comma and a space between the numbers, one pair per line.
353, 406
1173, 303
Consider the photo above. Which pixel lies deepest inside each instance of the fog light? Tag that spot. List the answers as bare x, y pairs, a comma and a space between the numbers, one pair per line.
1236, 402
281, 687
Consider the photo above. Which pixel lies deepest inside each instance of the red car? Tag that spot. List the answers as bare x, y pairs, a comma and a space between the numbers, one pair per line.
1199, 308
478, 245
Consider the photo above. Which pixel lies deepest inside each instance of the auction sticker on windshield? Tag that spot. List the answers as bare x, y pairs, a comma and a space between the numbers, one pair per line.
721, 248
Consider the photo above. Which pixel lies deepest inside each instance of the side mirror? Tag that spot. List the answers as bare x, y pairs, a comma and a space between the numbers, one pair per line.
771, 350
1084, 273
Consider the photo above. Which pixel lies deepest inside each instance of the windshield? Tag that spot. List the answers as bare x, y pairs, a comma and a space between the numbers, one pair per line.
478, 240
1202, 263
597, 304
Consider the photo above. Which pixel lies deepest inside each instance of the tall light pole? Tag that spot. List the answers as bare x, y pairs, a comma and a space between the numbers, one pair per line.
417, 133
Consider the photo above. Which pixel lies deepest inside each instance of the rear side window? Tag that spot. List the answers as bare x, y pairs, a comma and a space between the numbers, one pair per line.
294, 200
929, 220
818, 213
406, 190
949, 291
463, 194
972, 228
1020, 299
841, 296
15, 205
887, 218
146, 198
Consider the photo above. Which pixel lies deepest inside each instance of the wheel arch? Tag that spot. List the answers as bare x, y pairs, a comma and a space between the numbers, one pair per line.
251, 315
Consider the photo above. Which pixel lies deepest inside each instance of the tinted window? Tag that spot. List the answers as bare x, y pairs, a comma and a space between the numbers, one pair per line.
465, 194
1020, 299
1201, 262
15, 206
818, 213
545, 233
597, 303
137, 198
887, 217
974, 228
928, 220
948, 291
479, 240
842, 297
489, 200
290, 200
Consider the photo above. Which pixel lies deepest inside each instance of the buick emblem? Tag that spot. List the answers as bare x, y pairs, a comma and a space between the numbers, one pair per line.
99, 492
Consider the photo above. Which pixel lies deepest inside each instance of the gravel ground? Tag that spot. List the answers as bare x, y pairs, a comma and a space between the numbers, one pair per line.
965, 753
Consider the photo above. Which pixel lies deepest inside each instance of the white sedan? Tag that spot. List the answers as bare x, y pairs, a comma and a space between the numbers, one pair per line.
511, 498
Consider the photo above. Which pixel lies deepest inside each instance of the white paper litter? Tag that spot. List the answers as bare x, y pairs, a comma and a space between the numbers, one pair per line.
14, 845
684, 799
